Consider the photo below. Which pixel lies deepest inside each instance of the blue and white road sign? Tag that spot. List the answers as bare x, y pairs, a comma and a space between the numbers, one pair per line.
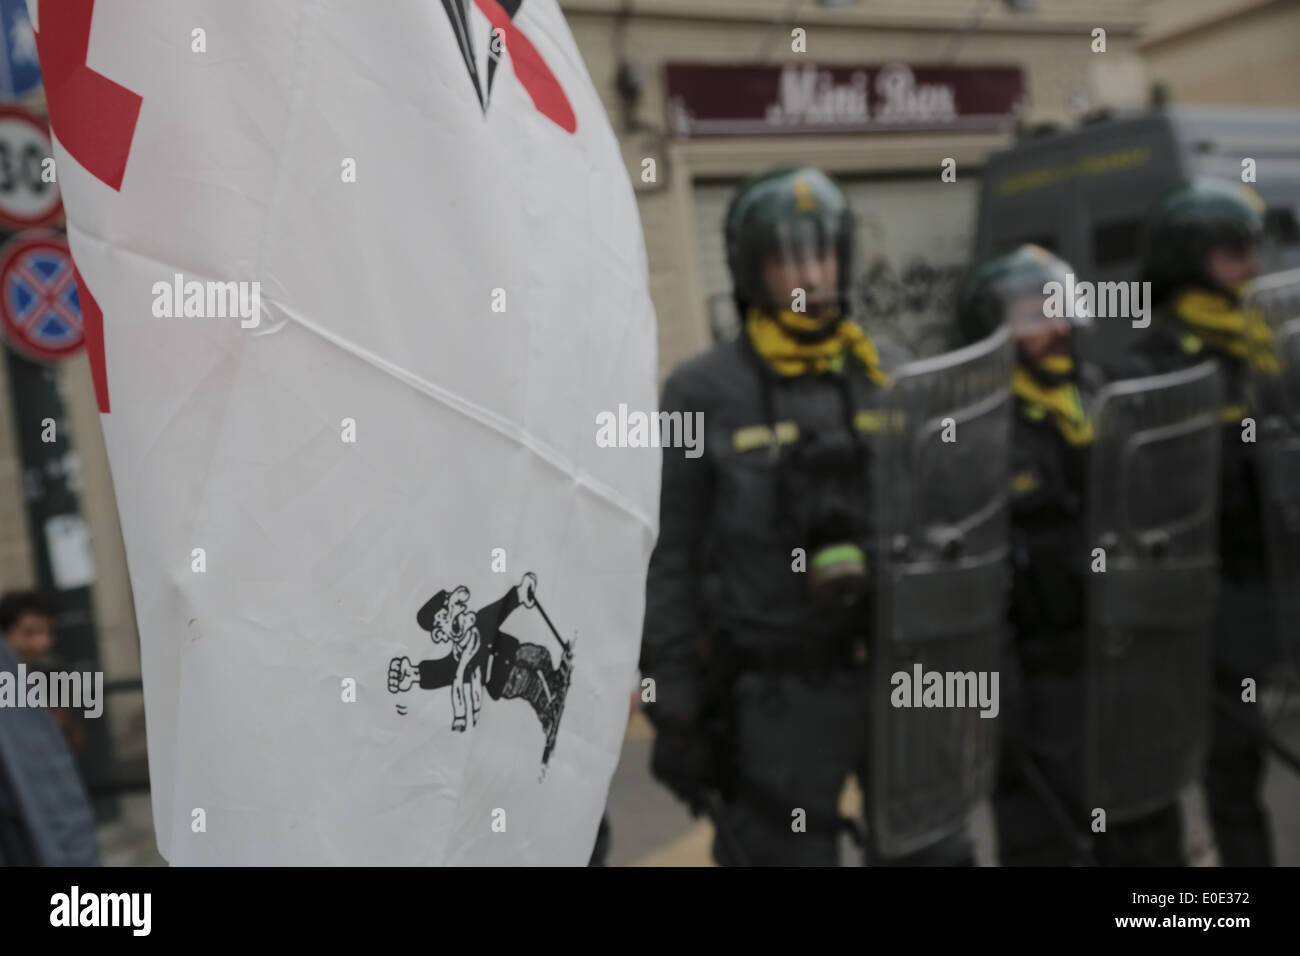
20, 70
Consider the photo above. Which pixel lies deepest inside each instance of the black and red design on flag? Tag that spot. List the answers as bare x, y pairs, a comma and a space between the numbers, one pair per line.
530, 69
94, 118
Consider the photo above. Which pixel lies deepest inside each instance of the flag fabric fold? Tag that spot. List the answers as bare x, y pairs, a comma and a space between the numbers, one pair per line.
357, 327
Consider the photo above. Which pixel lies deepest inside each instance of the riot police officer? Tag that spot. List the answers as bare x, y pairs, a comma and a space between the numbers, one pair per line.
1200, 255
760, 562
1054, 737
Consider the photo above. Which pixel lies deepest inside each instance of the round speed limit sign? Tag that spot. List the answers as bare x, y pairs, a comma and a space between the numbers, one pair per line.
29, 196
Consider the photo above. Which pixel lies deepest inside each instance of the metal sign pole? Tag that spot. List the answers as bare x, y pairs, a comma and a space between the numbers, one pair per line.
60, 540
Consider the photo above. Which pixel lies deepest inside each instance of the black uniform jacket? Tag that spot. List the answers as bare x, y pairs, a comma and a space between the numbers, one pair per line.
1049, 554
779, 462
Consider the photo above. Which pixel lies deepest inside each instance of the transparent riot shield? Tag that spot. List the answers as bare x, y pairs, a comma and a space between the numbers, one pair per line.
1152, 500
940, 480
1273, 325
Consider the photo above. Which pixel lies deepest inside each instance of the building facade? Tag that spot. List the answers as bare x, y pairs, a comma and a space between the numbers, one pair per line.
1230, 52
850, 68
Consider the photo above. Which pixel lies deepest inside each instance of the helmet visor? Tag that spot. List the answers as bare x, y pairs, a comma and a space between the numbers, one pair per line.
801, 268
1041, 331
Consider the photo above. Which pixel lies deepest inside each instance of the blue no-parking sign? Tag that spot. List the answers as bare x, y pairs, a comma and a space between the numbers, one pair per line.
39, 309
20, 71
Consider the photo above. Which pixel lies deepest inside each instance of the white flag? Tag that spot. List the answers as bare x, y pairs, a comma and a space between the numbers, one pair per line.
358, 280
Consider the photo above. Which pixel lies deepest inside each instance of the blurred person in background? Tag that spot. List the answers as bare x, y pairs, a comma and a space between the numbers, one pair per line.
45, 815
1201, 254
761, 685
27, 623
1040, 809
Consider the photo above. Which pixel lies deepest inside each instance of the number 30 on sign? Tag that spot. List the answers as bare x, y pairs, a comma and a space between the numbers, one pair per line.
29, 196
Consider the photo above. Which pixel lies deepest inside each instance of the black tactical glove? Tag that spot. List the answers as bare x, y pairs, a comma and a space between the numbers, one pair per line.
682, 760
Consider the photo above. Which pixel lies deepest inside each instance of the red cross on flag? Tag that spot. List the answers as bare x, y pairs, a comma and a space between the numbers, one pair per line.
358, 286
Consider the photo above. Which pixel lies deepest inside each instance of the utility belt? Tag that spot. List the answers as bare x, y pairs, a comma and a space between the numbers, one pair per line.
813, 658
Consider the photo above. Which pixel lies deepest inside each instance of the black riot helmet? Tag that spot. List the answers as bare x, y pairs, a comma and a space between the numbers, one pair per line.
1191, 220
991, 287
795, 214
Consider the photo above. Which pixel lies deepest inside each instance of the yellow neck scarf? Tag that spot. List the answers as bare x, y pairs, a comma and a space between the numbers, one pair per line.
789, 357
1241, 333
1061, 403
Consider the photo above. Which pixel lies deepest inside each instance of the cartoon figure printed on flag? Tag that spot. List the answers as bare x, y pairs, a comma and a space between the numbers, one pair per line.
474, 651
